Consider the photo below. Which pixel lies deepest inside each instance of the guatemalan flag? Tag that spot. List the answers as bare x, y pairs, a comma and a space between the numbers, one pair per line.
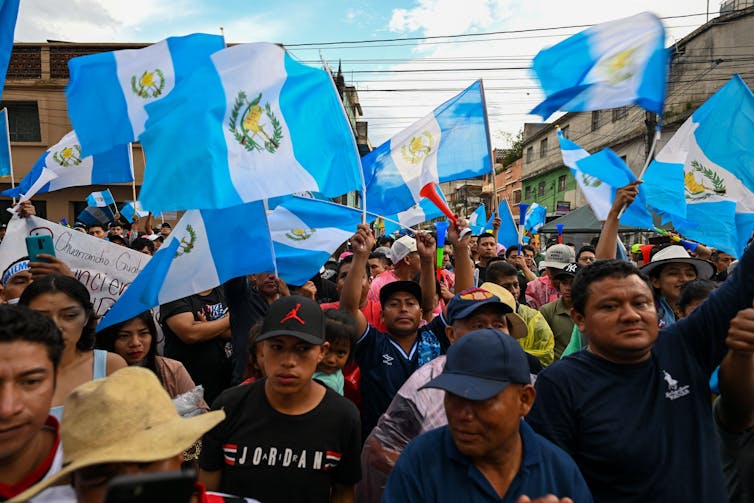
63, 165
131, 208
606, 167
598, 194
305, 232
478, 220
449, 144
8, 16
252, 124
608, 65
419, 213
205, 249
711, 160
107, 92
507, 234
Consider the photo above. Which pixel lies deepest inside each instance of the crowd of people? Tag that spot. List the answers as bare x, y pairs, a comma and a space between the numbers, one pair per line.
508, 374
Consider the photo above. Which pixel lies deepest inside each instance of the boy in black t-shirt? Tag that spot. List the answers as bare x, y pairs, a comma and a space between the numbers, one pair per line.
286, 437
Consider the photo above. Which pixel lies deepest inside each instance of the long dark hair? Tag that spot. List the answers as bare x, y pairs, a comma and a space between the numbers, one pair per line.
107, 336
56, 283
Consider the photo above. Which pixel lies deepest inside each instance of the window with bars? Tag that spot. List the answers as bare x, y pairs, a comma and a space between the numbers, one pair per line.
562, 183
596, 120
541, 189
619, 113
530, 154
23, 120
543, 148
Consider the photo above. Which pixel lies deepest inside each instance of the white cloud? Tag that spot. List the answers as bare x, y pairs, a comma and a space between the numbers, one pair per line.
441, 17
95, 20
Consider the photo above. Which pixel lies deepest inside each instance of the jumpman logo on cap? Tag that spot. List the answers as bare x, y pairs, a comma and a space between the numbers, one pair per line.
293, 315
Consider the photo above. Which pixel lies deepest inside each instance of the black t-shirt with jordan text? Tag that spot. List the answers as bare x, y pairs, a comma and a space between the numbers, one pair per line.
208, 362
275, 457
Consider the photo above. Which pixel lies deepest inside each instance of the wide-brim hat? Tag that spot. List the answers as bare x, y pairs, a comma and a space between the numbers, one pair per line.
127, 417
516, 323
677, 253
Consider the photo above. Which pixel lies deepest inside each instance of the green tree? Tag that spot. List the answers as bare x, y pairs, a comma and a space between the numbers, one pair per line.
515, 149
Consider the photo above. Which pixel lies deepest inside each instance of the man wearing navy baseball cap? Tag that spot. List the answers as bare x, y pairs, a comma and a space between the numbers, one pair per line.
486, 452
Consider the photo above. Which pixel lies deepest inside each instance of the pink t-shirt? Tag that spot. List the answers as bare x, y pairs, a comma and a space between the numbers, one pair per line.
541, 291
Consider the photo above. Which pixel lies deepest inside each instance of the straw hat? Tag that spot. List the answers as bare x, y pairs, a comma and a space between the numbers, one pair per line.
518, 327
676, 253
126, 417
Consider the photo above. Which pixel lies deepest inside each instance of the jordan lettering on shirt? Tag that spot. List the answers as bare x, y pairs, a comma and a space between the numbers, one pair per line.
674, 391
235, 455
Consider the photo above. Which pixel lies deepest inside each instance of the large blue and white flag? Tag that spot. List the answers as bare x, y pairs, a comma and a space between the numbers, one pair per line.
419, 213
713, 153
62, 166
598, 194
608, 65
449, 144
534, 218
8, 16
251, 125
305, 232
108, 91
205, 249
6, 164
606, 167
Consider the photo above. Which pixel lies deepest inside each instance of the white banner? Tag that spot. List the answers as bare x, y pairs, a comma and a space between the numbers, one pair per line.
105, 268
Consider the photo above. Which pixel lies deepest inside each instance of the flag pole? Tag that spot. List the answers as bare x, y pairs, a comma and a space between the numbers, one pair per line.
10, 154
489, 149
133, 171
355, 148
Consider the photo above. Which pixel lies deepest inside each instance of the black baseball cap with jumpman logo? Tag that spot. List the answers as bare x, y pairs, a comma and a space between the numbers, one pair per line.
297, 316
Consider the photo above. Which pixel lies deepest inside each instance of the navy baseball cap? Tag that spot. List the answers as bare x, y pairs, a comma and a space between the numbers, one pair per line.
297, 316
411, 287
569, 270
464, 304
482, 364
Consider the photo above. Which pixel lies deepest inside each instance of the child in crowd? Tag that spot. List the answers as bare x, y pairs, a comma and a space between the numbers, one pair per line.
254, 365
342, 334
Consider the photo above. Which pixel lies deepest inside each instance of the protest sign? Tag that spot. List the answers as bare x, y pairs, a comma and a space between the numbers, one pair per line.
105, 268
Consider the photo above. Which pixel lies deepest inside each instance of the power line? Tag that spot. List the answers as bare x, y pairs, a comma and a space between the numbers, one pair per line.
463, 35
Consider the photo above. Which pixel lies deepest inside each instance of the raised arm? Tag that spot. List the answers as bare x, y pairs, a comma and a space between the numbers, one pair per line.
706, 328
608, 241
350, 297
464, 267
427, 248
736, 407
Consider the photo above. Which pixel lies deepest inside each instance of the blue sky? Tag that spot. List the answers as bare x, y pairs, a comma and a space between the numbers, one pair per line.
502, 60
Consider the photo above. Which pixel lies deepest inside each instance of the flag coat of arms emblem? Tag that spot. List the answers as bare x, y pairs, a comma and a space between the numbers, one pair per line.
261, 125
107, 92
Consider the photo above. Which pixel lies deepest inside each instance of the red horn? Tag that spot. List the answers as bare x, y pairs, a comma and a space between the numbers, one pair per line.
431, 192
